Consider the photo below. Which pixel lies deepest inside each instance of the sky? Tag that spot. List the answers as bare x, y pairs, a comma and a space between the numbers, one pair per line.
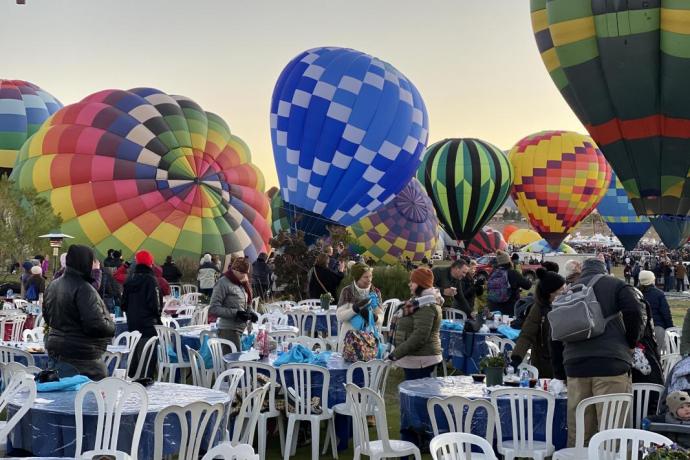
474, 62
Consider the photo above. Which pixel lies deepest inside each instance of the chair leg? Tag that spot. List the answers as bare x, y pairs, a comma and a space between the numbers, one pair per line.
281, 433
262, 436
293, 446
326, 441
288, 438
417, 454
315, 428
334, 438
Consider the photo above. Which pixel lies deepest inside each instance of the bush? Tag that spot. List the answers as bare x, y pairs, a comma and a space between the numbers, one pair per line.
189, 268
391, 281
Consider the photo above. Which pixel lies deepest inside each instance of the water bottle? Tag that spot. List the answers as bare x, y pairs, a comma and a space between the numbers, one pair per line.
279, 348
509, 372
524, 378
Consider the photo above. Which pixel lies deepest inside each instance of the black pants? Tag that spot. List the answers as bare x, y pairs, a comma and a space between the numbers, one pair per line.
136, 357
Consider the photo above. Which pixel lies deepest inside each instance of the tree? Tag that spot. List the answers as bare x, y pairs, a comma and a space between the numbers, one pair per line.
24, 216
292, 263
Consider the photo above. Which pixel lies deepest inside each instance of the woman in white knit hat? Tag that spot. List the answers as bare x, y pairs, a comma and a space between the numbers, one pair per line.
661, 312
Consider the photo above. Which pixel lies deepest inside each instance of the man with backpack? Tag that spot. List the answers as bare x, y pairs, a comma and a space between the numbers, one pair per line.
595, 356
448, 280
504, 284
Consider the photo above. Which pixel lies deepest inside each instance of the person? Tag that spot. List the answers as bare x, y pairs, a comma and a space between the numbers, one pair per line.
600, 365
108, 261
334, 259
515, 260
142, 300
573, 269
45, 265
207, 275
661, 312
471, 286
231, 301
80, 327
636, 269
448, 280
171, 272
162, 283
504, 284
668, 276
35, 284
111, 291
680, 276
322, 279
355, 299
627, 274
24, 277
261, 276
678, 403
122, 272
536, 330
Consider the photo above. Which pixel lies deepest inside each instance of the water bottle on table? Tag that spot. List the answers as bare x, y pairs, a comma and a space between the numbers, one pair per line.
524, 378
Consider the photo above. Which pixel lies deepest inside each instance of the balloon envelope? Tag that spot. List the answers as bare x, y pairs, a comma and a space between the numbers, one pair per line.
292, 219
508, 230
23, 108
347, 130
523, 236
560, 177
142, 169
405, 227
618, 213
487, 241
468, 180
543, 247
674, 233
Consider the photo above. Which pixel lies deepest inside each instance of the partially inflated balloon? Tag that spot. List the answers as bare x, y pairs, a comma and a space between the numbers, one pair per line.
523, 237
508, 230
23, 108
486, 241
560, 177
543, 247
468, 180
672, 231
623, 67
405, 227
348, 131
617, 211
142, 169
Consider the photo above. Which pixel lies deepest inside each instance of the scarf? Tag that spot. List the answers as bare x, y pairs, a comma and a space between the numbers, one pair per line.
361, 293
245, 284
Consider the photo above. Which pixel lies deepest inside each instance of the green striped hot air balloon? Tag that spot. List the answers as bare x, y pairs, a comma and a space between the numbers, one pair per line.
468, 180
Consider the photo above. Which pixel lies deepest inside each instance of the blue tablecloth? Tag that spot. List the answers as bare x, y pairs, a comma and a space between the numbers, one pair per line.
42, 360
321, 322
120, 326
464, 349
414, 395
49, 429
337, 369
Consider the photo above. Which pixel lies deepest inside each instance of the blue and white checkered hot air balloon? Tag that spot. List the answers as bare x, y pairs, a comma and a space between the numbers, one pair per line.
618, 213
348, 132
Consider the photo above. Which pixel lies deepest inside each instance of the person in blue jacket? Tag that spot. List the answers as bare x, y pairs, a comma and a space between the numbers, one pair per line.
661, 312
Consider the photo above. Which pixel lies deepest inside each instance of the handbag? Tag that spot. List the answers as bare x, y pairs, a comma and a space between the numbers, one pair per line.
359, 346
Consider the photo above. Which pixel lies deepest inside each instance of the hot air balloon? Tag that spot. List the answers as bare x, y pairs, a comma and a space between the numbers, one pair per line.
486, 241
405, 227
560, 177
508, 230
142, 169
348, 131
467, 180
23, 108
617, 211
291, 219
523, 237
543, 247
623, 68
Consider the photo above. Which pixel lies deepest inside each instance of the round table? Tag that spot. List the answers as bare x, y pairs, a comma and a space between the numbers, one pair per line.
414, 395
464, 349
41, 359
48, 429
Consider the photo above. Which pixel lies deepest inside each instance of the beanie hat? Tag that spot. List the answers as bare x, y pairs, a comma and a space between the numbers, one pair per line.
676, 400
240, 265
423, 277
144, 257
36, 270
549, 282
358, 270
647, 278
502, 258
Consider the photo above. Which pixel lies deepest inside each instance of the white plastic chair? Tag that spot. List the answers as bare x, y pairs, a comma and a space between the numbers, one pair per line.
19, 383
672, 339
128, 339
642, 393
170, 338
613, 410
112, 358
454, 408
623, 443
111, 396
534, 372
502, 343
522, 442
282, 336
458, 446
219, 348
388, 307
16, 323
249, 382
147, 352
200, 316
363, 402
248, 416
187, 310
201, 377
454, 314
276, 318
494, 350
668, 361
227, 451
304, 321
309, 342
309, 303
176, 291
171, 306
194, 419
190, 298
98, 454
9, 370
189, 288
228, 381
299, 407
11, 354
33, 335
170, 322
20, 303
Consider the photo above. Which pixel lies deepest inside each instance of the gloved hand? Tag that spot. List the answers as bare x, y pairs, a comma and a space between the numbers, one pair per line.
254, 317
242, 315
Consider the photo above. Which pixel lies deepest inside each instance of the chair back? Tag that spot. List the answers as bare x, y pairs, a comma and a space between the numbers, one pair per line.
228, 381
226, 451
170, 322
533, 371
275, 317
672, 339
623, 443
309, 303
200, 376
458, 446
494, 349
18, 383
112, 358
190, 298
176, 291
200, 316
454, 314
248, 381
668, 361
9, 370
16, 323
504, 345
642, 395
169, 338
128, 339
374, 373
364, 402
309, 342
189, 288
33, 335
248, 416
305, 321
297, 386
12, 354
219, 348
282, 336
194, 420
612, 410
521, 402
147, 352
187, 310
19, 303
388, 307
111, 396
455, 409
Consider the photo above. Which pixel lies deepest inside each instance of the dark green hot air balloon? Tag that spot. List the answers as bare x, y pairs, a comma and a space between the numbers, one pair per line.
468, 180
624, 67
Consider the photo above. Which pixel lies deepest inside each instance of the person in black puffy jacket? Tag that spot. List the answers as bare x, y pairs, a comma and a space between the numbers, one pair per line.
142, 301
80, 326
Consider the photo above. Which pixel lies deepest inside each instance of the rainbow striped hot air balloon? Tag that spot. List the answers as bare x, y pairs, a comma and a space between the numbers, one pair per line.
142, 169
23, 108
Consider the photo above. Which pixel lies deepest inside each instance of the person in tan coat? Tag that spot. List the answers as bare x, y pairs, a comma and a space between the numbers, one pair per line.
354, 300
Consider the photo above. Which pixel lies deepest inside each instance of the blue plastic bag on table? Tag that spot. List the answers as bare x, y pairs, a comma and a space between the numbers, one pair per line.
509, 332
450, 325
300, 354
247, 342
73, 383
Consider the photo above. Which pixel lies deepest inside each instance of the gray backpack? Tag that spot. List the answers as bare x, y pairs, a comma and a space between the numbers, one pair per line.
576, 315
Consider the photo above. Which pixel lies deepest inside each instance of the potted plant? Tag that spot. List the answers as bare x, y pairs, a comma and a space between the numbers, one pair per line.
326, 300
673, 452
493, 367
